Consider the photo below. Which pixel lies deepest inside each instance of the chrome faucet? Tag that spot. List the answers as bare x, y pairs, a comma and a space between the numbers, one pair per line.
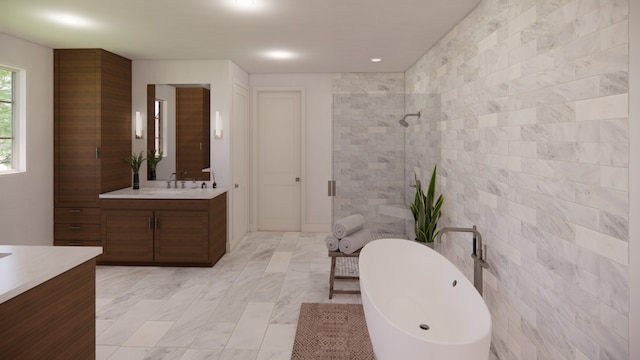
478, 250
175, 180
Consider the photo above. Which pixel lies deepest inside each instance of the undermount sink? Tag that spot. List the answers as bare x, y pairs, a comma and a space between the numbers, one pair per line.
4, 254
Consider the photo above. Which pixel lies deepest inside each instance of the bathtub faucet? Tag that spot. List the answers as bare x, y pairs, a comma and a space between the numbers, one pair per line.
478, 260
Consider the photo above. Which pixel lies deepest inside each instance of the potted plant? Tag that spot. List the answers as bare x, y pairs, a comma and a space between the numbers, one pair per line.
426, 210
135, 161
152, 160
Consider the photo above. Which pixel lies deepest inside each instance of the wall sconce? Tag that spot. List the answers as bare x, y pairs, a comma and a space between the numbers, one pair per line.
138, 125
217, 131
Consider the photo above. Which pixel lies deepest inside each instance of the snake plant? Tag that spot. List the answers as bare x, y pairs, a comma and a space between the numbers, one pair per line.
153, 159
135, 161
426, 210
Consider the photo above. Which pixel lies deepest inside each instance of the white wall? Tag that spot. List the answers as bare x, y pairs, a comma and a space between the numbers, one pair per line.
214, 72
318, 149
26, 199
634, 180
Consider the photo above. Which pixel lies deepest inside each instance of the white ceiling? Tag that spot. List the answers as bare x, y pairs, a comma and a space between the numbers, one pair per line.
325, 35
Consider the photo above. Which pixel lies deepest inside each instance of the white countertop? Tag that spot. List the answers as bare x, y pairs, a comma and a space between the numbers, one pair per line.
163, 193
30, 266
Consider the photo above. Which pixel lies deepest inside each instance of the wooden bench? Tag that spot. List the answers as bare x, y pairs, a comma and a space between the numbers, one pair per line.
354, 275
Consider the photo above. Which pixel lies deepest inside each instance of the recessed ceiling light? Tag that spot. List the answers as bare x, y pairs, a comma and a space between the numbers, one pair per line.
280, 54
70, 19
244, 4
376, 60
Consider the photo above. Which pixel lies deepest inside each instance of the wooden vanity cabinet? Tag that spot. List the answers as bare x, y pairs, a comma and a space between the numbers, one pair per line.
92, 133
164, 232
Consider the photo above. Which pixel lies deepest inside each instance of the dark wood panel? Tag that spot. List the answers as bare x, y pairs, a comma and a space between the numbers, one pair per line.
92, 133
156, 204
127, 235
75, 118
77, 243
115, 121
182, 236
76, 232
77, 215
192, 105
55, 320
217, 227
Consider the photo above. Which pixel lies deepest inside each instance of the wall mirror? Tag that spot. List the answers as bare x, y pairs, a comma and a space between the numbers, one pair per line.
178, 127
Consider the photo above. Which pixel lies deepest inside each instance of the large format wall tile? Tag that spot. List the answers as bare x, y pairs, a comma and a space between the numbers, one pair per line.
525, 109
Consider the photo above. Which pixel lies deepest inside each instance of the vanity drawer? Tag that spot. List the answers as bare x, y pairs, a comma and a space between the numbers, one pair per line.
77, 232
77, 243
77, 215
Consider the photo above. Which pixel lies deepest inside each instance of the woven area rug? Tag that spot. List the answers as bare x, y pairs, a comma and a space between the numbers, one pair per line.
332, 331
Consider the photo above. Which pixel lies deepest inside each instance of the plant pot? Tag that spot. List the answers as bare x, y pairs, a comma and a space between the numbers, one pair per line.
136, 181
428, 244
152, 174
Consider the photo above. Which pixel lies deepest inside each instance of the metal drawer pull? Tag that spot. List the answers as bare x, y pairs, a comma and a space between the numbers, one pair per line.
156, 223
75, 227
74, 211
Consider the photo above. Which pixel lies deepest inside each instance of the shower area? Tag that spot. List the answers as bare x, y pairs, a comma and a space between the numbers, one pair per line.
376, 148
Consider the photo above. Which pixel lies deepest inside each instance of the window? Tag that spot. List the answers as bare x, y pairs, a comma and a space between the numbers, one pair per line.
8, 120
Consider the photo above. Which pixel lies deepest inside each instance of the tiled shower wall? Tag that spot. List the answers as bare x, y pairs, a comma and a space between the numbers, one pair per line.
368, 146
534, 150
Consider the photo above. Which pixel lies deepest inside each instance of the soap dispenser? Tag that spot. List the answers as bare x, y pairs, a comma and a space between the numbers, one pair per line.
204, 185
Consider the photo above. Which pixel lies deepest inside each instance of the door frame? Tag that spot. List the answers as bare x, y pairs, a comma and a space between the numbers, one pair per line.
232, 241
253, 134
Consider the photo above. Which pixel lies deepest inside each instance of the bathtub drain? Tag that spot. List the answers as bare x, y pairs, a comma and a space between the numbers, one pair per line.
424, 326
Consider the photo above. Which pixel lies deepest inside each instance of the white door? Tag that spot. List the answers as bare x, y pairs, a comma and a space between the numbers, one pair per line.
279, 170
240, 165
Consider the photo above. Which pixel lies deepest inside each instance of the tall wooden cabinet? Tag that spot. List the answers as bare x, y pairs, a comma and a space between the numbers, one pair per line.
192, 132
92, 133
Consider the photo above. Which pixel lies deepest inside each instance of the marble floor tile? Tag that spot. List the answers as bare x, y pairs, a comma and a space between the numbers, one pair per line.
245, 307
233, 354
201, 354
104, 352
187, 328
279, 338
274, 355
123, 328
279, 262
149, 334
214, 335
251, 327
129, 353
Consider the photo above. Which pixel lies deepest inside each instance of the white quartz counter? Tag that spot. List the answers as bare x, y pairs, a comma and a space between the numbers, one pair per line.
163, 193
29, 266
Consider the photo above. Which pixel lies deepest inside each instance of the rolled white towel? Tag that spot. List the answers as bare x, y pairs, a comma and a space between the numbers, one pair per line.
355, 241
348, 225
332, 242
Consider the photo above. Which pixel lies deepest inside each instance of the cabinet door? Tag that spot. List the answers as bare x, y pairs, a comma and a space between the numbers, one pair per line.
75, 126
182, 236
127, 235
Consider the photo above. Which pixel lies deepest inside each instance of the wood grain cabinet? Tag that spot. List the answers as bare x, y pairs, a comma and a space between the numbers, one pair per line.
92, 133
169, 232
192, 132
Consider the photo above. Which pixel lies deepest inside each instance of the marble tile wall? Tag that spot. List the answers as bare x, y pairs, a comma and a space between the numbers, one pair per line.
368, 146
530, 101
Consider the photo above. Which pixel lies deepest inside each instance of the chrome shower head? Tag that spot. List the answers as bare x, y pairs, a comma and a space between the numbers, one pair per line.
404, 123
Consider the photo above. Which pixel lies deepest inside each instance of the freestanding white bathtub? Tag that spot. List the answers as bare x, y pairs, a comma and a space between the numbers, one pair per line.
408, 287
